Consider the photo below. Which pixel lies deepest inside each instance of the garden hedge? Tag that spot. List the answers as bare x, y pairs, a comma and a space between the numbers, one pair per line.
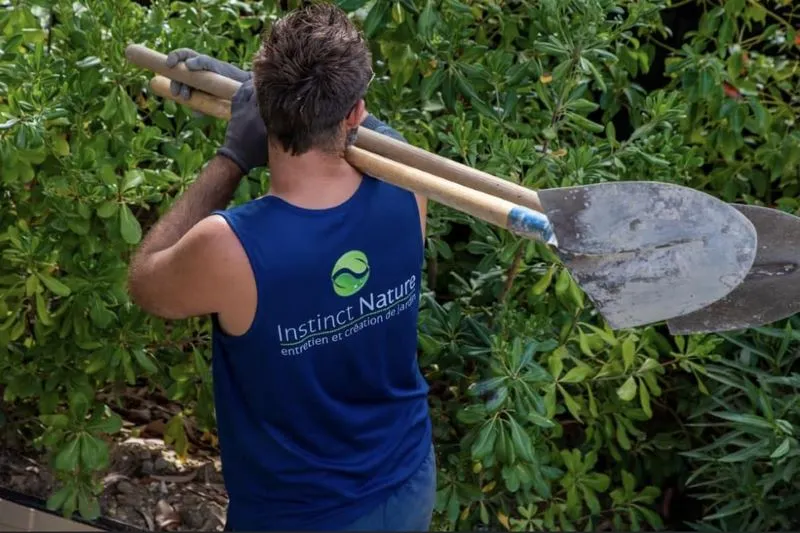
544, 417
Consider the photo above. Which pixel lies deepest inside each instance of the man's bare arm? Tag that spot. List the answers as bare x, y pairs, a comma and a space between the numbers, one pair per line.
190, 263
175, 270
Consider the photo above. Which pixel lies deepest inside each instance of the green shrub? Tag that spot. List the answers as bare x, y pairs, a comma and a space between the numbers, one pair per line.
544, 417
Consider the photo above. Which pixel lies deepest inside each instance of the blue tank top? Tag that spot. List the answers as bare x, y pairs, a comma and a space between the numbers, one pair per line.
321, 407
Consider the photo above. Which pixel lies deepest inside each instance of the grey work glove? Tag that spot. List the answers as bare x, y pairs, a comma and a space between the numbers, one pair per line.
375, 124
246, 137
196, 62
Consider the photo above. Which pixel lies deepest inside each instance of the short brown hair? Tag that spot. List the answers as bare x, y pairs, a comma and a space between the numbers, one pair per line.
313, 66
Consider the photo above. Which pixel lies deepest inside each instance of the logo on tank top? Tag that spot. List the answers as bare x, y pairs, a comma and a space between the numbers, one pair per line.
350, 273
344, 319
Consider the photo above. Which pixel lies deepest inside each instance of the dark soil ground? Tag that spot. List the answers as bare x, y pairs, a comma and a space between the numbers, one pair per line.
147, 486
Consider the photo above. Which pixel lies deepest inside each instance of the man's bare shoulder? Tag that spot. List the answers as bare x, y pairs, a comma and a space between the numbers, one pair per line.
210, 235
199, 274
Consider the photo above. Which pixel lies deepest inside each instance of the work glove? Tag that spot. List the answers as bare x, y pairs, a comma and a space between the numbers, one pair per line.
246, 136
197, 62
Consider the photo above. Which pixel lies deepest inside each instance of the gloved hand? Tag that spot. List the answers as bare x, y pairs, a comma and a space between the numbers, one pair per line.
246, 136
195, 62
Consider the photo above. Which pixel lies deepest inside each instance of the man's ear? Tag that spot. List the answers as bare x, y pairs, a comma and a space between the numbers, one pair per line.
357, 115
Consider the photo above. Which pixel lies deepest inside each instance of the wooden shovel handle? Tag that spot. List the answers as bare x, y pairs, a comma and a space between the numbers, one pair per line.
520, 220
206, 81
446, 168
199, 100
223, 87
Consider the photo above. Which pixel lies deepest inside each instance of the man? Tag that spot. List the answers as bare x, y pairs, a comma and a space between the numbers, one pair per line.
313, 291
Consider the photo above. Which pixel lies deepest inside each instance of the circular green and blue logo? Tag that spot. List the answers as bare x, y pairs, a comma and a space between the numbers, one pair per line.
350, 273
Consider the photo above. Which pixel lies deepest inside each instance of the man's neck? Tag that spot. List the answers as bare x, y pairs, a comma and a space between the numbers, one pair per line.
314, 180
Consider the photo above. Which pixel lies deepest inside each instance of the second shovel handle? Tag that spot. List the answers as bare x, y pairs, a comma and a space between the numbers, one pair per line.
199, 100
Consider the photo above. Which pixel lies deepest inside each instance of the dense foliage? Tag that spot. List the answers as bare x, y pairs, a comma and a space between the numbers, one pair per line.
544, 417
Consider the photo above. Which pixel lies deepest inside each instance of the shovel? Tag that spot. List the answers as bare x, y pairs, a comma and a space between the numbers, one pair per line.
642, 251
770, 292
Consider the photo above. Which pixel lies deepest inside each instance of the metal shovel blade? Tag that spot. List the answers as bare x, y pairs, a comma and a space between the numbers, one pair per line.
770, 292
645, 252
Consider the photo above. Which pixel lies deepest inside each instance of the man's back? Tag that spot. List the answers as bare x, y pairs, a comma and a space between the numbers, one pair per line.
321, 408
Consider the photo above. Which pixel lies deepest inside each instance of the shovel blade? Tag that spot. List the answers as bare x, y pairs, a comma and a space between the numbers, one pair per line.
770, 292
644, 252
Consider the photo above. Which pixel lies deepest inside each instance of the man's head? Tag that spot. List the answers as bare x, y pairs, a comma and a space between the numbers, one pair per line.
310, 76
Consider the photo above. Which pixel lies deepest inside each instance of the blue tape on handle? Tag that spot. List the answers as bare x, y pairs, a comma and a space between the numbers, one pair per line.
529, 223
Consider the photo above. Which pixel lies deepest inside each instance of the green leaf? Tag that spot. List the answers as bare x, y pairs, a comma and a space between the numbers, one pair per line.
94, 452
111, 424
488, 385
431, 84
591, 500
572, 406
597, 482
88, 62
133, 178
584, 123
111, 104
607, 337
628, 389
57, 421
745, 419
144, 361
41, 309
376, 18
484, 444
622, 436
556, 364
426, 20
653, 519
88, 506
746, 453
583, 344
731, 509
644, 400
67, 457
79, 404
550, 401
350, 5
577, 374
707, 83
782, 449
539, 420
54, 285
130, 230
628, 352
648, 365
521, 440
175, 434
562, 283
581, 105
59, 497
628, 483
574, 506
534, 373
472, 414
543, 283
